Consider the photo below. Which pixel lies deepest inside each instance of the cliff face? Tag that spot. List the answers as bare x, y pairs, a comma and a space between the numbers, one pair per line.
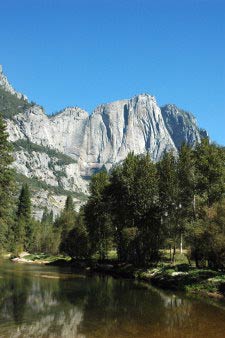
182, 126
115, 129
60, 152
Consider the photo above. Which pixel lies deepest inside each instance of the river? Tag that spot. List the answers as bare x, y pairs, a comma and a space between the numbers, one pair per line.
42, 301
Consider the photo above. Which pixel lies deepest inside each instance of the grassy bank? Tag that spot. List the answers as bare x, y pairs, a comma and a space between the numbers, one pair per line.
40, 258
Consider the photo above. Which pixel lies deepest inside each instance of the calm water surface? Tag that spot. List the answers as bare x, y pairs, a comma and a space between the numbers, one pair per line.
39, 301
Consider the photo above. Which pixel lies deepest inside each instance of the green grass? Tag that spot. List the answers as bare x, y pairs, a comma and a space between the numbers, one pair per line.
46, 257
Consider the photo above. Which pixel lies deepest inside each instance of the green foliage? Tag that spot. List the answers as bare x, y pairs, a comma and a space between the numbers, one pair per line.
19, 239
207, 236
137, 209
7, 188
148, 206
186, 174
76, 243
97, 217
46, 238
24, 205
23, 229
210, 171
11, 105
134, 196
169, 197
65, 222
69, 206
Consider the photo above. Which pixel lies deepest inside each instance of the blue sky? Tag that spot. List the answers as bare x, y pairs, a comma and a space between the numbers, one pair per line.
86, 52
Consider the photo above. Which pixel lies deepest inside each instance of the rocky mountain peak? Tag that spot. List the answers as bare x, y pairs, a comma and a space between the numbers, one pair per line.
4, 84
74, 112
35, 110
144, 97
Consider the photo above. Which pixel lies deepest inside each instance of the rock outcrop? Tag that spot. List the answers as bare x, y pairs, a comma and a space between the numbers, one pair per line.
182, 126
4, 83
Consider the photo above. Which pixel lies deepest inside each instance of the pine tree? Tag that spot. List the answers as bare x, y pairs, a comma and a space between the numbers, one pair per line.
69, 205
76, 243
24, 227
7, 188
24, 205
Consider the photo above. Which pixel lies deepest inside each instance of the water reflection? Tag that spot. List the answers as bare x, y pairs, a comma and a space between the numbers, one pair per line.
46, 302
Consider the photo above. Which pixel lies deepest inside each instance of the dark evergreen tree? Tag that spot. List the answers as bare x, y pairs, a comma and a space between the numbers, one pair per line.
69, 205
7, 188
76, 243
24, 226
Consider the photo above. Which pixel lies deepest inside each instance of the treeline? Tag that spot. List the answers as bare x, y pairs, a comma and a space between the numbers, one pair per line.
139, 210
142, 207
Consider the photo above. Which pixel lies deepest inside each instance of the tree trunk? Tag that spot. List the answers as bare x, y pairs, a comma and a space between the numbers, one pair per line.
174, 253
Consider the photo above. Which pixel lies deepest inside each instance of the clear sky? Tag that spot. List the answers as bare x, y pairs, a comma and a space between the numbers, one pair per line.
86, 52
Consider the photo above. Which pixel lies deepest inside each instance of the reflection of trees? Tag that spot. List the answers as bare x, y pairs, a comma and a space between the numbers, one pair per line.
99, 306
20, 288
14, 292
115, 306
119, 308
63, 323
35, 307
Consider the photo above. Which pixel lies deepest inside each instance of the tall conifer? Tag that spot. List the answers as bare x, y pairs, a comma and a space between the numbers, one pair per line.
7, 186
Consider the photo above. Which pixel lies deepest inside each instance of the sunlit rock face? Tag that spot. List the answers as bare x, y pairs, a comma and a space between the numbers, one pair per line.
63, 131
103, 138
117, 128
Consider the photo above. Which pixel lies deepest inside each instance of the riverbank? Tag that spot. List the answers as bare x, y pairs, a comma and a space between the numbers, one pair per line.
180, 277
27, 258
